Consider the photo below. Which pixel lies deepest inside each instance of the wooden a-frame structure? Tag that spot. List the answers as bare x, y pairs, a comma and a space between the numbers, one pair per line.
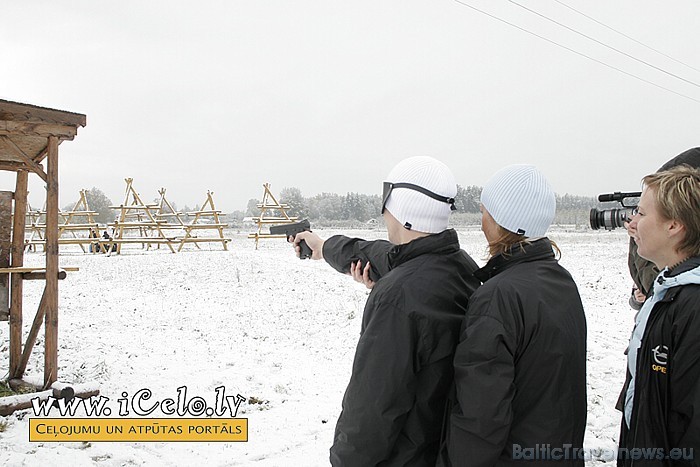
269, 209
29, 137
35, 218
206, 218
79, 220
135, 215
166, 211
153, 221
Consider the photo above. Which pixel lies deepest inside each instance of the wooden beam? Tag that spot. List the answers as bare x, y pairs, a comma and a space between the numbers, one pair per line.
17, 260
35, 276
16, 111
51, 319
31, 165
24, 270
33, 333
13, 166
38, 129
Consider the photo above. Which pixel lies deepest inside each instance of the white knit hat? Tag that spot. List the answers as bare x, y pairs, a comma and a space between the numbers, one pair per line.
413, 209
520, 200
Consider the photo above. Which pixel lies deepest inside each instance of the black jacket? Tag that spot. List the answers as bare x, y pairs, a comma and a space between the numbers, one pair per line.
520, 366
666, 405
394, 402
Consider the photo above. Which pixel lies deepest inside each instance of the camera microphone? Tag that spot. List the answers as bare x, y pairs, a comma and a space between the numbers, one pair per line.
618, 196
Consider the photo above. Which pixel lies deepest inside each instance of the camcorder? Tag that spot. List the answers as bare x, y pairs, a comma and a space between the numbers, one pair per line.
610, 219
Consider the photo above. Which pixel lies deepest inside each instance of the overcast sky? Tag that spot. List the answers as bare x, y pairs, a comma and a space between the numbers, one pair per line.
327, 96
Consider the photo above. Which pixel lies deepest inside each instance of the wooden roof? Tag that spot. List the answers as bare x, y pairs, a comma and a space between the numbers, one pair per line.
25, 129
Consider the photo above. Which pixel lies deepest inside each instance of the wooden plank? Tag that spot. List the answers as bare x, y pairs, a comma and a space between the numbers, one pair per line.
38, 129
204, 226
12, 166
85, 241
25, 401
136, 206
24, 270
16, 111
64, 213
193, 213
51, 319
41, 275
17, 260
279, 221
264, 235
204, 239
67, 226
172, 226
118, 241
137, 224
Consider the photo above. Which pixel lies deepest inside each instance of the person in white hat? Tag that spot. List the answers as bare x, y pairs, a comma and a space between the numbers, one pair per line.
393, 407
520, 366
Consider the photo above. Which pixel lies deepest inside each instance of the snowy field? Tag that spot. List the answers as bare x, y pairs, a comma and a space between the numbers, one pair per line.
263, 324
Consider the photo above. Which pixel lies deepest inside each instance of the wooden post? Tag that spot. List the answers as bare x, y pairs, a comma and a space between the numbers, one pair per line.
5, 243
51, 319
17, 260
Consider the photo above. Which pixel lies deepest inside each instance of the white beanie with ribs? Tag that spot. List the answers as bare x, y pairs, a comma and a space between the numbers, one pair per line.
520, 200
413, 209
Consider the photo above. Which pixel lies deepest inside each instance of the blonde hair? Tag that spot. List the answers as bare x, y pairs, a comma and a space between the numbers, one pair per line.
677, 195
506, 240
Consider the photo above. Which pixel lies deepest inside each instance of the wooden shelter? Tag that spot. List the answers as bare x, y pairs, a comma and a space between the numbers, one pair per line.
29, 138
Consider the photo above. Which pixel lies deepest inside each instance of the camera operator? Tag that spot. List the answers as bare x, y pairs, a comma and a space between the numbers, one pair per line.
644, 272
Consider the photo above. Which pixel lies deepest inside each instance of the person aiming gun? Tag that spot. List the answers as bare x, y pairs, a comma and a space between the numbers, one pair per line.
393, 406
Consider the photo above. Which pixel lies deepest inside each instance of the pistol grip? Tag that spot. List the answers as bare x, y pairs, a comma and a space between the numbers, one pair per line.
306, 251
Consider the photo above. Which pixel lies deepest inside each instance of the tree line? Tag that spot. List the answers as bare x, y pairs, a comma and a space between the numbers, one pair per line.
357, 208
328, 209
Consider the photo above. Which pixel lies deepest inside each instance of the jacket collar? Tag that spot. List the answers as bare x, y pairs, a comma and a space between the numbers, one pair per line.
687, 265
688, 272
443, 242
518, 253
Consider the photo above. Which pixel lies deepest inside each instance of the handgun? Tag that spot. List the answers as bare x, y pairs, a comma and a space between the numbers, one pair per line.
290, 230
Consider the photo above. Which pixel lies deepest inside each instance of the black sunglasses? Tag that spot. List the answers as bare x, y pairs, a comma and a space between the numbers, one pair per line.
388, 187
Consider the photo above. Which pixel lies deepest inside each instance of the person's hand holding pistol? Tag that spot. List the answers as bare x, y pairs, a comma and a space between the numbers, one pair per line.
314, 242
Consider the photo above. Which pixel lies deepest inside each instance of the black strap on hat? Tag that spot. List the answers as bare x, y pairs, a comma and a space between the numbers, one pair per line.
388, 187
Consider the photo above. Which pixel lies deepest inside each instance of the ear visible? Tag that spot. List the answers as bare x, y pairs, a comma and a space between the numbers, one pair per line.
675, 231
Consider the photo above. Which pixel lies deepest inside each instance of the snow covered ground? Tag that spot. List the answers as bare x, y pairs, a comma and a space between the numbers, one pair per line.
263, 324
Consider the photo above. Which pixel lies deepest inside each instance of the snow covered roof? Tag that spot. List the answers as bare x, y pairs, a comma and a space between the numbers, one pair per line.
24, 132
